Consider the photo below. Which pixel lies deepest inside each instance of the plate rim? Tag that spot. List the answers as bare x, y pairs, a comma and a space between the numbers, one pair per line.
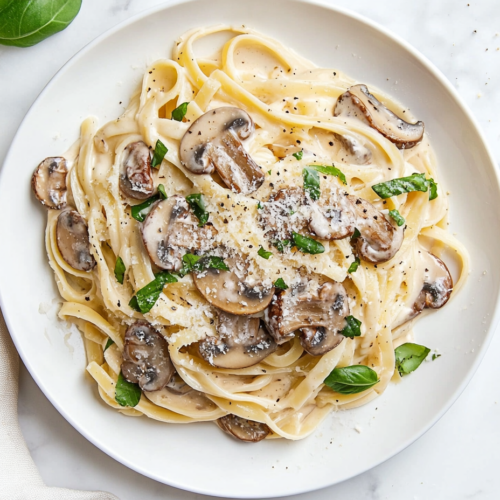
458, 100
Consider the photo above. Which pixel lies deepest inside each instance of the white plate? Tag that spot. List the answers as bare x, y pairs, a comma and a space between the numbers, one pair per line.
199, 457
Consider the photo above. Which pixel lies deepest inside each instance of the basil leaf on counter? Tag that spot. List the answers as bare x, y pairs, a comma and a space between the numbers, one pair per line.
24, 23
127, 394
395, 187
147, 296
400, 220
264, 253
280, 283
307, 245
351, 379
109, 343
280, 245
354, 266
409, 357
160, 151
162, 192
180, 112
120, 270
197, 204
352, 328
298, 155
140, 212
311, 183
333, 170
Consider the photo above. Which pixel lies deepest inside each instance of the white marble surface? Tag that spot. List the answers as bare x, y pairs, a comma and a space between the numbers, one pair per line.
459, 457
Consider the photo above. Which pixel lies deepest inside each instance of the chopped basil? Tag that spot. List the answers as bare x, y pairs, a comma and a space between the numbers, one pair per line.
356, 234
269, 172
351, 379
298, 155
197, 204
264, 253
409, 356
120, 270
180, 112
199, 263
162, 192
435, 356
400, 220
140, 212
333, 170
307, 245
160, 151
109, 343
147, 296
280, 283
127, 394
311, 183
352, 328
260, 206
354, 265
415, 182
280, 245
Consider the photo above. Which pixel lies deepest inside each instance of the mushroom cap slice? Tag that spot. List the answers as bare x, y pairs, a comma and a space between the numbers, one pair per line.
319, 340
355, 152
136, 180
243, 429
214, 141
72, 235
241, 342
49, 182
357, 102
233, 291
438, 284
146, 360
170, 230
380, 239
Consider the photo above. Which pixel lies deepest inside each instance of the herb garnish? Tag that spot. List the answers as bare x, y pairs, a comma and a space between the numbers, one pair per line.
180, 112
160, 151
307, 245
356, 234
298, 155
280, 245
333, 170
146, 297
126, 393
109, 343
414, 182
280, 283
409, 357
264, 253
352, 328
120, 270
197, 204
311, 183
400, 220
354, 265
199, 263
140, 212
162, 192
351, 379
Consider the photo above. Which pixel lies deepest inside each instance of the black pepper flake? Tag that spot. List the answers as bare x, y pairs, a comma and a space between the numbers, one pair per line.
87, 298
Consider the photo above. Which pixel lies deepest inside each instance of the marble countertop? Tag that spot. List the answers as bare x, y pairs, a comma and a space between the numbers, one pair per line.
458, 458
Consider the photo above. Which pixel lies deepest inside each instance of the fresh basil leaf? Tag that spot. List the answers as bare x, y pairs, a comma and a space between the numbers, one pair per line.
354, 266
127, 394
109, 343
400, 220
199, 263
433, 189
356, 234
24, 23
311, 183
120, 270
134, 304
333, 170
395, 187
409, 357
298, 155
147, 296
280, 283
197, 204
180, 112
269, 172
352, 328
160, 151
307, 245
162, 192
351, 379
260, 206
264, 253
140, 212
280, 245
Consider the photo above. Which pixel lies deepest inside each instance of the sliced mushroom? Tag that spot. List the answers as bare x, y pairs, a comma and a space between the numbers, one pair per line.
49, 182
171, 230
243, 429
72, 237
136, 180
355, 152
146, 360
357, 102
234, 291
281, 151
317, 312
214, 141
176, 385
241, 342
380, 239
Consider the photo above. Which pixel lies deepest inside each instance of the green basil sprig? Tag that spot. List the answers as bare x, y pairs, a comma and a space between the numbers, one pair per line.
140, 212
144, 300
280, 283
409, 357
180, 112
199, 263
352, 328
307, 245
120, 270
264, 253
298, 155
333, 170
311, 183
398, 218
414, 182
126, 393
197, 204
351, 379
160, 151
354, 265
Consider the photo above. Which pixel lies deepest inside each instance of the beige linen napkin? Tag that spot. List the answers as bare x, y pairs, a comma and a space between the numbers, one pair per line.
19, 477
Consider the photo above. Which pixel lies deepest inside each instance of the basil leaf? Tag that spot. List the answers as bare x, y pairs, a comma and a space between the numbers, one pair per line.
354, 266
127, 394
109, 343
307, 245
333, 170
264, 253
199, 263
280, 283
260, 206
400, 220
160, 151
352, 328
197, 204
409, 357
140, 212
351, 379
433, 189
180, 112
147, 296
356, 234
435, 356
162, 192
311, 183
120, 270
134, 304
280, 245
395, 187
24, 23
298, 155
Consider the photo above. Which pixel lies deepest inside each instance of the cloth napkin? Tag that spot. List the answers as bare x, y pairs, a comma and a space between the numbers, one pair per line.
19, 477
